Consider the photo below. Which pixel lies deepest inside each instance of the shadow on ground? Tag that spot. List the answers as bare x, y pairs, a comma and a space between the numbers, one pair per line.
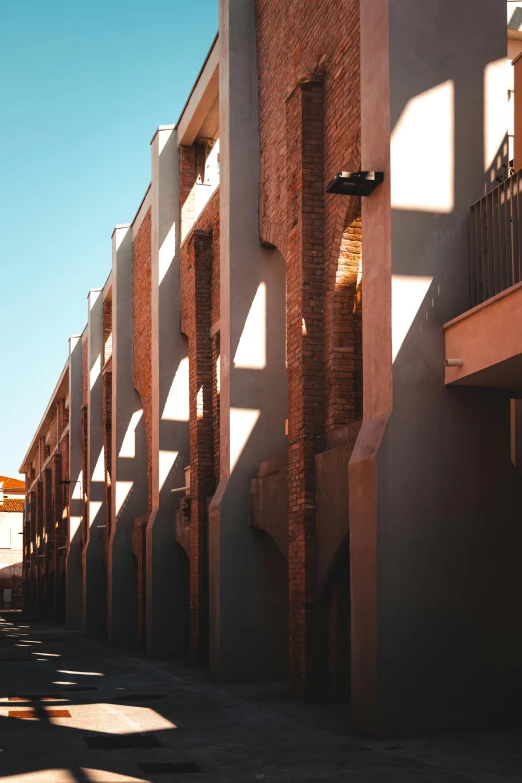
72, 709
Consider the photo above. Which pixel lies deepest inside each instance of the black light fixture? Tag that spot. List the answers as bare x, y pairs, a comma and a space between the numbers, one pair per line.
355, 183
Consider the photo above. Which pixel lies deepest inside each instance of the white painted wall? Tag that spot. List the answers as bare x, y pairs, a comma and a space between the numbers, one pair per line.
10, 538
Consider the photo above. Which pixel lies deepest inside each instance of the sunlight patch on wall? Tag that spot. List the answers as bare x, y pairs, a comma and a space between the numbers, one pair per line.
251, 350
77, 489
167, 252
242, 423
128, 447
496, 82
98, 473
122, 491
177, 404
74, 524
94, 510
423, 152
408, 292
166, 462
95, 372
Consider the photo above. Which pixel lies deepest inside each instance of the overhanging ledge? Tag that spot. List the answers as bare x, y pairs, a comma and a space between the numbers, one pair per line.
487, 341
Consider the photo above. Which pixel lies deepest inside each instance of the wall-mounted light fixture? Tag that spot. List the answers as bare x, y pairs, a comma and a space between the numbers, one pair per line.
355, 183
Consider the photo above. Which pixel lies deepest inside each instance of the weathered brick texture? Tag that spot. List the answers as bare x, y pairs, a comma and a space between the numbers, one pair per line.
142, 329
187, 193
295, 40
305, 245
142, 362
199, 282
107, 330
309, 108
107, 452
85, 474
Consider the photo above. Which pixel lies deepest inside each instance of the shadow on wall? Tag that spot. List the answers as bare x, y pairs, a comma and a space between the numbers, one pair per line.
448, 531
258, 411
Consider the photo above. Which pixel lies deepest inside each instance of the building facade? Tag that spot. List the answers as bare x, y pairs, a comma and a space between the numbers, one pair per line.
263, 454
12, 495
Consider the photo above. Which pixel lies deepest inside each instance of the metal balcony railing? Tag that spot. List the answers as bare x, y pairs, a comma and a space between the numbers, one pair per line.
495, 236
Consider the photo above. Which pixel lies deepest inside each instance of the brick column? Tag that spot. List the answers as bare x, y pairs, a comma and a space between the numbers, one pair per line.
94, 583
73, 468
107, 454
38, 548
305, 283
201, 440
45, 554
187, 192
30, 552
56, 521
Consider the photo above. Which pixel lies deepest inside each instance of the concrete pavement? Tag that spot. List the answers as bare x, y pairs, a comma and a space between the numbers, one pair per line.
82, 712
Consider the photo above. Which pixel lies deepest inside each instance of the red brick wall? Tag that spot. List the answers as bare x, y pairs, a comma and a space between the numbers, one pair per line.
210, 218
187, 194
85, 476
199, 297
64, 493
107, 421
142, 325
107, 452
85, 471
85, 370
309, 108
107, 330
296, 39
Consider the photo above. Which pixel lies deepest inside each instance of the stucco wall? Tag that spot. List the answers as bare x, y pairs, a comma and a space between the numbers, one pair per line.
448, 499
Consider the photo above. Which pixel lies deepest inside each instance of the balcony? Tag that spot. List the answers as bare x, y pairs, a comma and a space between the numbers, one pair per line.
495, 236
484, 344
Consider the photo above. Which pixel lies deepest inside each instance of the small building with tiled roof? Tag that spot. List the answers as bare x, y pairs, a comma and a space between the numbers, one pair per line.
12, 493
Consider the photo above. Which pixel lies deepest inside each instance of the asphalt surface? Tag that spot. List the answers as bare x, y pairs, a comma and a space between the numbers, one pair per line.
73, 709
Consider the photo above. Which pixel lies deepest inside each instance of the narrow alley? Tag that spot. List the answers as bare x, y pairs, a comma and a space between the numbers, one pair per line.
73, 709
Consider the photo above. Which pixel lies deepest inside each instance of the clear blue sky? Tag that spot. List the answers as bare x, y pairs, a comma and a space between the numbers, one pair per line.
83, 86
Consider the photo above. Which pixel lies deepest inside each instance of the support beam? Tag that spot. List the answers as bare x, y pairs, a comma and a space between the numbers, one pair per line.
129, 481
243, 641
167, 564
73, 568
94, 601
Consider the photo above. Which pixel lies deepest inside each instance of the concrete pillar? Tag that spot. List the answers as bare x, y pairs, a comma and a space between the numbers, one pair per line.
94, 605
422, 627
129, 486
73, 567
252, 370
167, 566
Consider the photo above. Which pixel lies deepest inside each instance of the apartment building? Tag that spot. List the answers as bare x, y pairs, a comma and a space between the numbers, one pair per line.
284, 446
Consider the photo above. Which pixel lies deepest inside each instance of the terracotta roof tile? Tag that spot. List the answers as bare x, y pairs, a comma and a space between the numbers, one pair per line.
12, 505
11, 483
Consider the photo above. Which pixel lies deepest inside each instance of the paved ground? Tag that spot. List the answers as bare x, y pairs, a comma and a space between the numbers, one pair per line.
234, 733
